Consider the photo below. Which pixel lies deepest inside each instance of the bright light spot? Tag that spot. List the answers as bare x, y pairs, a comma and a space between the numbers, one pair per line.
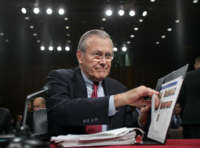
61, 11
1, 34
195, 1
59, 48
128, 42
140, 20
35, 34
169, 29
31, 27
115, 49
177, 21
163, 36
132, 35
23, 10
27, 18
144, 13
121, 12
109, 12
42, 48
103, 19
36, 10
132, 13
136, 28
66, 18
124, 48
152, 1
50, 48
67, 48
67, 27
49, 11
157, 43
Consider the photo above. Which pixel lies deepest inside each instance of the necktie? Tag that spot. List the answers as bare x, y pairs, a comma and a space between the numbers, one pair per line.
90, 129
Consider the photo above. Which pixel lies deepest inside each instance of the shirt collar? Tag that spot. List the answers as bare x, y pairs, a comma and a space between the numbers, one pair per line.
87, 80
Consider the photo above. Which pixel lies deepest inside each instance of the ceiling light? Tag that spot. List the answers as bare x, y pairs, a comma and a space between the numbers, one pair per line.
35, 34
177, 21
163, 36
27, 18
49, 11
36, 10
42, 48
31, 27
152, 1
67, 48
66, 18
67, 27
50, 48
115, 49
103, 19
136, 28
132, 13
157, 43
144, 13
124, 48
128, 42
169, 29
121, 12
195, 1
61, 11
132, 35
23, 10
59, 48
1, 34
38, 41
140, 20
108, 12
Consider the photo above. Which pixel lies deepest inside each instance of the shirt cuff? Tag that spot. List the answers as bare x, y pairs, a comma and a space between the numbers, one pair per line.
111, 109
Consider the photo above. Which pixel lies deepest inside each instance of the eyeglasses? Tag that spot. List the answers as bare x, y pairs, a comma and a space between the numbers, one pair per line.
98, 56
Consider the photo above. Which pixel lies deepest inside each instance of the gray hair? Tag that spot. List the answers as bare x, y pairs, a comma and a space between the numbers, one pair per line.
95, 32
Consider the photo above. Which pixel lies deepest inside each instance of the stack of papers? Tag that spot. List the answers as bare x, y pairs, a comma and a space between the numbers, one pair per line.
121, 136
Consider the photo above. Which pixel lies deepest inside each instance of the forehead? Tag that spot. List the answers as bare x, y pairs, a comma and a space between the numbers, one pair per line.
95, 41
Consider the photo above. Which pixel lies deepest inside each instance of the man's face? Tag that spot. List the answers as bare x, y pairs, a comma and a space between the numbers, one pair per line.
95, 62
37, 105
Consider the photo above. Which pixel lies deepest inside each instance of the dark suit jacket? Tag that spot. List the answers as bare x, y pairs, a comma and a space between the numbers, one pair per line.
190, 98
5, 120
69, 108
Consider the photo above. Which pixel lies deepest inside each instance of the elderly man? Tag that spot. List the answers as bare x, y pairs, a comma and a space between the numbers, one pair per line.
39, 103
85, 99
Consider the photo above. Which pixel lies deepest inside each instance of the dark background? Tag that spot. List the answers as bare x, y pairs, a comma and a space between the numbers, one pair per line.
24, 67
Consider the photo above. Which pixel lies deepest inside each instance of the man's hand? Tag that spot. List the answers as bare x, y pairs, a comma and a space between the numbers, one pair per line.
136, 97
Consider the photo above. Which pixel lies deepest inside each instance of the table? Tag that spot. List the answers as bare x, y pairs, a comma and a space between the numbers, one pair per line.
171, 143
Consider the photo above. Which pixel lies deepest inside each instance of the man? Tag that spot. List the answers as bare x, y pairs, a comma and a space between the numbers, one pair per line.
190, 102
72, 107
5, 120
39, 103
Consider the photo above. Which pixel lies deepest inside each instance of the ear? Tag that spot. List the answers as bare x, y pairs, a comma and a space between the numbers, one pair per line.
79, 56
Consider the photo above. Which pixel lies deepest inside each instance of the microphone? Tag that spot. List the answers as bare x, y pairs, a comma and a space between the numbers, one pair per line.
29, 98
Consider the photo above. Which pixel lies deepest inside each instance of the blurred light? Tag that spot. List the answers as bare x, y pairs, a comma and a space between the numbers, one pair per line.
177, 21
27, 18
38, 41
144, 13
136, 28
67, 27
115, 49
152, 1
132, 13
1, 34
50, 48
169, 29
6, 40
61, 11
36, 10
128, 42
68, 41
23, 10
108, 12
42, 48
140, 20
67, 48
163, 36
66, 18
31, 27
49, 11
132, 35
124, 48
59, 48
103, 19
35, 34
195, 1
121, 12
157, 43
